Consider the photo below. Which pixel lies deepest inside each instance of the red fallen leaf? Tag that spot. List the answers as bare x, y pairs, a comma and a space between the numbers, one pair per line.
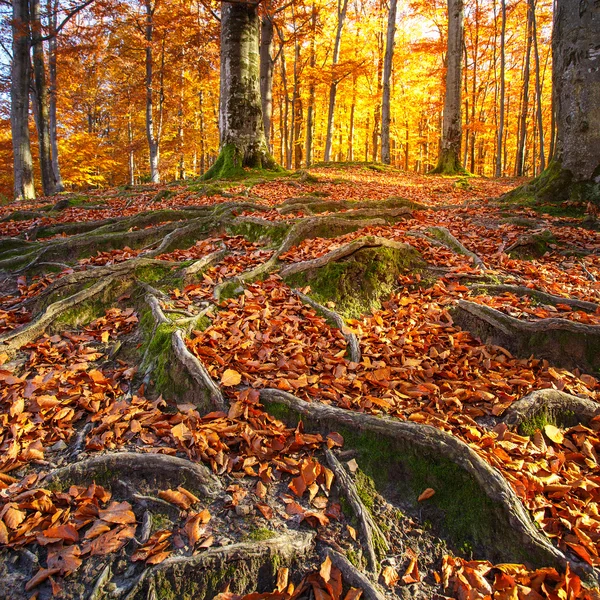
207, 543
66, 559
293, 508
117, 512
3, 533
334, 439
193, 526
298, 486
111, 541
67, 533
177, 498
156, 559
390, 576
353, 594
325, 570
98, 528
315, 519
426, 494
265, 509
40, 577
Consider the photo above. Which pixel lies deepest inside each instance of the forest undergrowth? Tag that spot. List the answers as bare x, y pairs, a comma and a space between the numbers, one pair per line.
343, 382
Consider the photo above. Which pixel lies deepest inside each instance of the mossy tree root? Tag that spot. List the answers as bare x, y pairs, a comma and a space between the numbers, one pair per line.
521, 290
246, 567
563, 342
531, 244
368, 527
171, 470
354, 577
206, 261
315, 205
443, 235
354, 353
13, 341
519, 534
553, 405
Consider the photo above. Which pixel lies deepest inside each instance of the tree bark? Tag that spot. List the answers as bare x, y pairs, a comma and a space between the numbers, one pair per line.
449, 160
266, 73
387, 75
241, 126
311, 89
498, 172
52, 89
19, 102
150, 133
342, 7
538, 84
520, 163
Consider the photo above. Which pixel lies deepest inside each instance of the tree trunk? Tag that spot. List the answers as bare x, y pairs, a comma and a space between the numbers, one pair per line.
19, 102
341, 14
574, 173
241, 126
150, 133
498, 172
449, 160
538, 84
266, 73
520, 165
387, 75
297, 110
311, 89
52, 8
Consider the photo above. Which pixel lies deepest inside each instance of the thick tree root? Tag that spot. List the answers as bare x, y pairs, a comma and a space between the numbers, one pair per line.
246, 567
197, 372
354, 577
314, 205
369, 241
354, 353
564, 343
206, 261
172, 471
371, 535
540, 296
447, 239
532, 244
553, 405
11, 342
511, 533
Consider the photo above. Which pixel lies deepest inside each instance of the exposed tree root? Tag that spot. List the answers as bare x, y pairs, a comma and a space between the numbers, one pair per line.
444, 236
205, 262
532, 244
170, 469
11, 342
371, 535
316, 205
555, 406
511, 528
565, 343
538, 295
246, 567
354, 577
354, 353
369, 241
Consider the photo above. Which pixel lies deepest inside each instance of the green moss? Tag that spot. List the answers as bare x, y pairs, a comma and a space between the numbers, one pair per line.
260, 534
538, 246
565, 418
360, 283
366, 490
82, 314
230, 165
160, 521
152, 273
273, 234
356, 558
230, 289
448, 164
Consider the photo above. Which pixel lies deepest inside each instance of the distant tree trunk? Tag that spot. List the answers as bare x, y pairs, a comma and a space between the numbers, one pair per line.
311, 89
498, 171
574, 172
180, 116
202, 134
473, 132
19, 102
241, 126
342, 7
52, 8
377, 108
449, 160
150, 129
538, 85
131, 153
387, 75
520, 162
297, 108
266, 73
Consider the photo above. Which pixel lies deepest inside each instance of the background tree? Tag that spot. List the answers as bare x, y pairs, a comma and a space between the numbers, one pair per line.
387, 76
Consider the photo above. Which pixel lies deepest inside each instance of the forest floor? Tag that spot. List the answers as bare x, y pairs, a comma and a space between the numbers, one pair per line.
316, 385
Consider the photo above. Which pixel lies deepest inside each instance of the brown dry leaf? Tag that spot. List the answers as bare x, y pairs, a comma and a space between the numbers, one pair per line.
176, 497
40, 577
554, 433
411, 575
282, 578
230, 378
390, 576
426, 494
193, 526
325, 570
265, 509
117, 512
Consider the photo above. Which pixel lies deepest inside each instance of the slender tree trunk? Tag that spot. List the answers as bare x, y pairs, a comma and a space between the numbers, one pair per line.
520, 166
241, 126
180, 115
377, 107
342, 7
150, 129
449, 160
266, 73
52, 89
474, 87
202, 134
19, 102
311, 89
538, 85
286, 132
297, 104
498, 172
387, 76
131, 152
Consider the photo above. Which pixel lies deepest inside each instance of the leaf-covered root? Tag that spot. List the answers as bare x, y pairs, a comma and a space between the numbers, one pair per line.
354, 577
543, 297
549, 406
480, 509
244, 568
206, 261
531, 245
12, 342
354, 353
315, 205
563, 342
158, 471
443, 235
368, 527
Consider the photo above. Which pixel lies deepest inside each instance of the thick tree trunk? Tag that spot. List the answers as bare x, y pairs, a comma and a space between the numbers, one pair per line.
41, 100
341, 15
150, 133
449, 160
266, 73
498, 171
241, 126
574, 173
19, 102
520, 162
387, 75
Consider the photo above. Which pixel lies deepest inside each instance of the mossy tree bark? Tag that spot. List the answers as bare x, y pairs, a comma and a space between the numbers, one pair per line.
449, 159
574, 174
243, 142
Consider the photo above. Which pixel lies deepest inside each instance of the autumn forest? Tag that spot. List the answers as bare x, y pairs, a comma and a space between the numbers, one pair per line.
300, 300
